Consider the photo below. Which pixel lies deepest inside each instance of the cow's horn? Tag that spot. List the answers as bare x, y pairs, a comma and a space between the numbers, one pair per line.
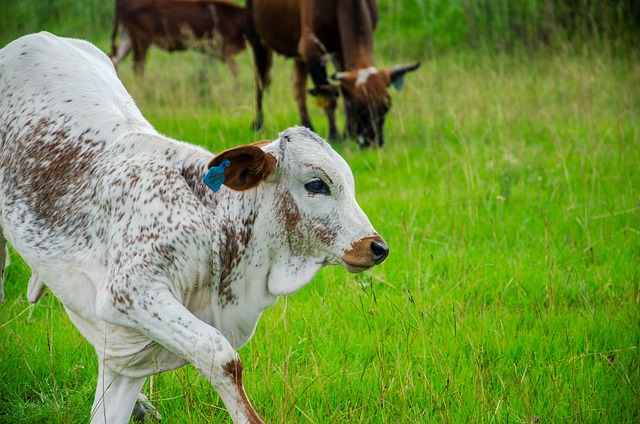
339, 76
403, 69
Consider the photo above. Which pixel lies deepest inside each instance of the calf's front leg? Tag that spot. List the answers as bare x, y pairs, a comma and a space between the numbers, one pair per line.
162, 318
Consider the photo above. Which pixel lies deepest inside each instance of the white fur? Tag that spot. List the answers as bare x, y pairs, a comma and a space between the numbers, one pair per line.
364, 74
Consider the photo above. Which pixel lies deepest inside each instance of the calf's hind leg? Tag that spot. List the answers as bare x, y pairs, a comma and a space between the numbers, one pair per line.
144, 411
116, 396
36, 285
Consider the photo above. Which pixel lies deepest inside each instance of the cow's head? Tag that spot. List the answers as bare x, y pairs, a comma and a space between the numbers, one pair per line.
314, 217
367, 100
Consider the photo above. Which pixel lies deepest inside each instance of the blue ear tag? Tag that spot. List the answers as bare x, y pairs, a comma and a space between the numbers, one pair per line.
398, 83
215, 175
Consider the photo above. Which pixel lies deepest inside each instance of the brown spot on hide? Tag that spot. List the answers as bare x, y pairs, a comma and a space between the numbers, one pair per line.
236, 237
372, 92
325, 234
59, 175
233, 370
291, 212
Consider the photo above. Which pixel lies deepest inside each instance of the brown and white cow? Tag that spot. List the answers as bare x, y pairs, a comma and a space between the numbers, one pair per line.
214, 27
157, 264
311, 31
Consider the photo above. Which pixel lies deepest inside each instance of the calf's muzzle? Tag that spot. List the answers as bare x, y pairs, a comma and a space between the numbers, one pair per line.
365, 253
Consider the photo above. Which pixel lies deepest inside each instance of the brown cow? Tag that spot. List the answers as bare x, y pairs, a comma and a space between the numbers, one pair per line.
310, 31
214, 27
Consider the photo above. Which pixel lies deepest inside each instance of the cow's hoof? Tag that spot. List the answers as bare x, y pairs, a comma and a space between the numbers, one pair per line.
144, 411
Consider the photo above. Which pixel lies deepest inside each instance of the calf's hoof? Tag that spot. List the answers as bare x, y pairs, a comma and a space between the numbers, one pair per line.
144, 411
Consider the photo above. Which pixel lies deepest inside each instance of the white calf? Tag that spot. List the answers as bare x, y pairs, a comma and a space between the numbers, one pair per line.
155, 269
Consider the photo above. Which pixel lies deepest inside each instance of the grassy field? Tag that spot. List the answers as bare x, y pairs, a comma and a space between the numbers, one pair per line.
509, 194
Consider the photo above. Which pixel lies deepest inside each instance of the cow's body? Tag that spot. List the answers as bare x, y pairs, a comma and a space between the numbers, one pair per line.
214, 27
312, 30
154, 268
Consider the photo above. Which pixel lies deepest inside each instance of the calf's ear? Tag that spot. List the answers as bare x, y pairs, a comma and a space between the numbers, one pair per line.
240, 168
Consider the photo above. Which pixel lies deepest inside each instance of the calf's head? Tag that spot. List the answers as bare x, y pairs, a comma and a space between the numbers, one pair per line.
308, 192
367, 100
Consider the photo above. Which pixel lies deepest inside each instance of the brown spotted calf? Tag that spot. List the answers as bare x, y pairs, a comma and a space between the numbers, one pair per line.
156, 263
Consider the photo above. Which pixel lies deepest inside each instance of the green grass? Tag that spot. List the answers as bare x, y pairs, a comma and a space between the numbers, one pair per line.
508, 192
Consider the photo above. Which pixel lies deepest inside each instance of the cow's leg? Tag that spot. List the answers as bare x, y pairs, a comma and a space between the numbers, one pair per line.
115, 396
330, 111
300, 92
313, 51
169, 323
319, 76
262, 80
122, 50
233, 67
327, 93
140, 48
262, 60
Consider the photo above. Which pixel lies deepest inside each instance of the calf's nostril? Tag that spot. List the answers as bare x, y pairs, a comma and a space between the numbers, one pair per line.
380, 251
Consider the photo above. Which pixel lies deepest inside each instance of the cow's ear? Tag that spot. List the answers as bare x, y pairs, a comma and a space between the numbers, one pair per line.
396, 73
240, 168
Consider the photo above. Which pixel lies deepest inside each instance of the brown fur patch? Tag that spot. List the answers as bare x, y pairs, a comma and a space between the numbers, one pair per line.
372, 92
59, 174
233, 370
232, 248
291, 212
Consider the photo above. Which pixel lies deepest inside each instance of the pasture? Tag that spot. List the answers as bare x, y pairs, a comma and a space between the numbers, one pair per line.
509, 195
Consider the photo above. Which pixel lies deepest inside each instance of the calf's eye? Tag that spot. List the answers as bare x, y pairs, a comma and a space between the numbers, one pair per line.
317, 187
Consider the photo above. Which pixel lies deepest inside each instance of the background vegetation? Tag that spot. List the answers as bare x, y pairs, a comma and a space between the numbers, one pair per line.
508, 193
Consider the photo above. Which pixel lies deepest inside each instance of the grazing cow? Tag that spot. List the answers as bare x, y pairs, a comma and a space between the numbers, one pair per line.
214, 27
156, 264
310, 31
